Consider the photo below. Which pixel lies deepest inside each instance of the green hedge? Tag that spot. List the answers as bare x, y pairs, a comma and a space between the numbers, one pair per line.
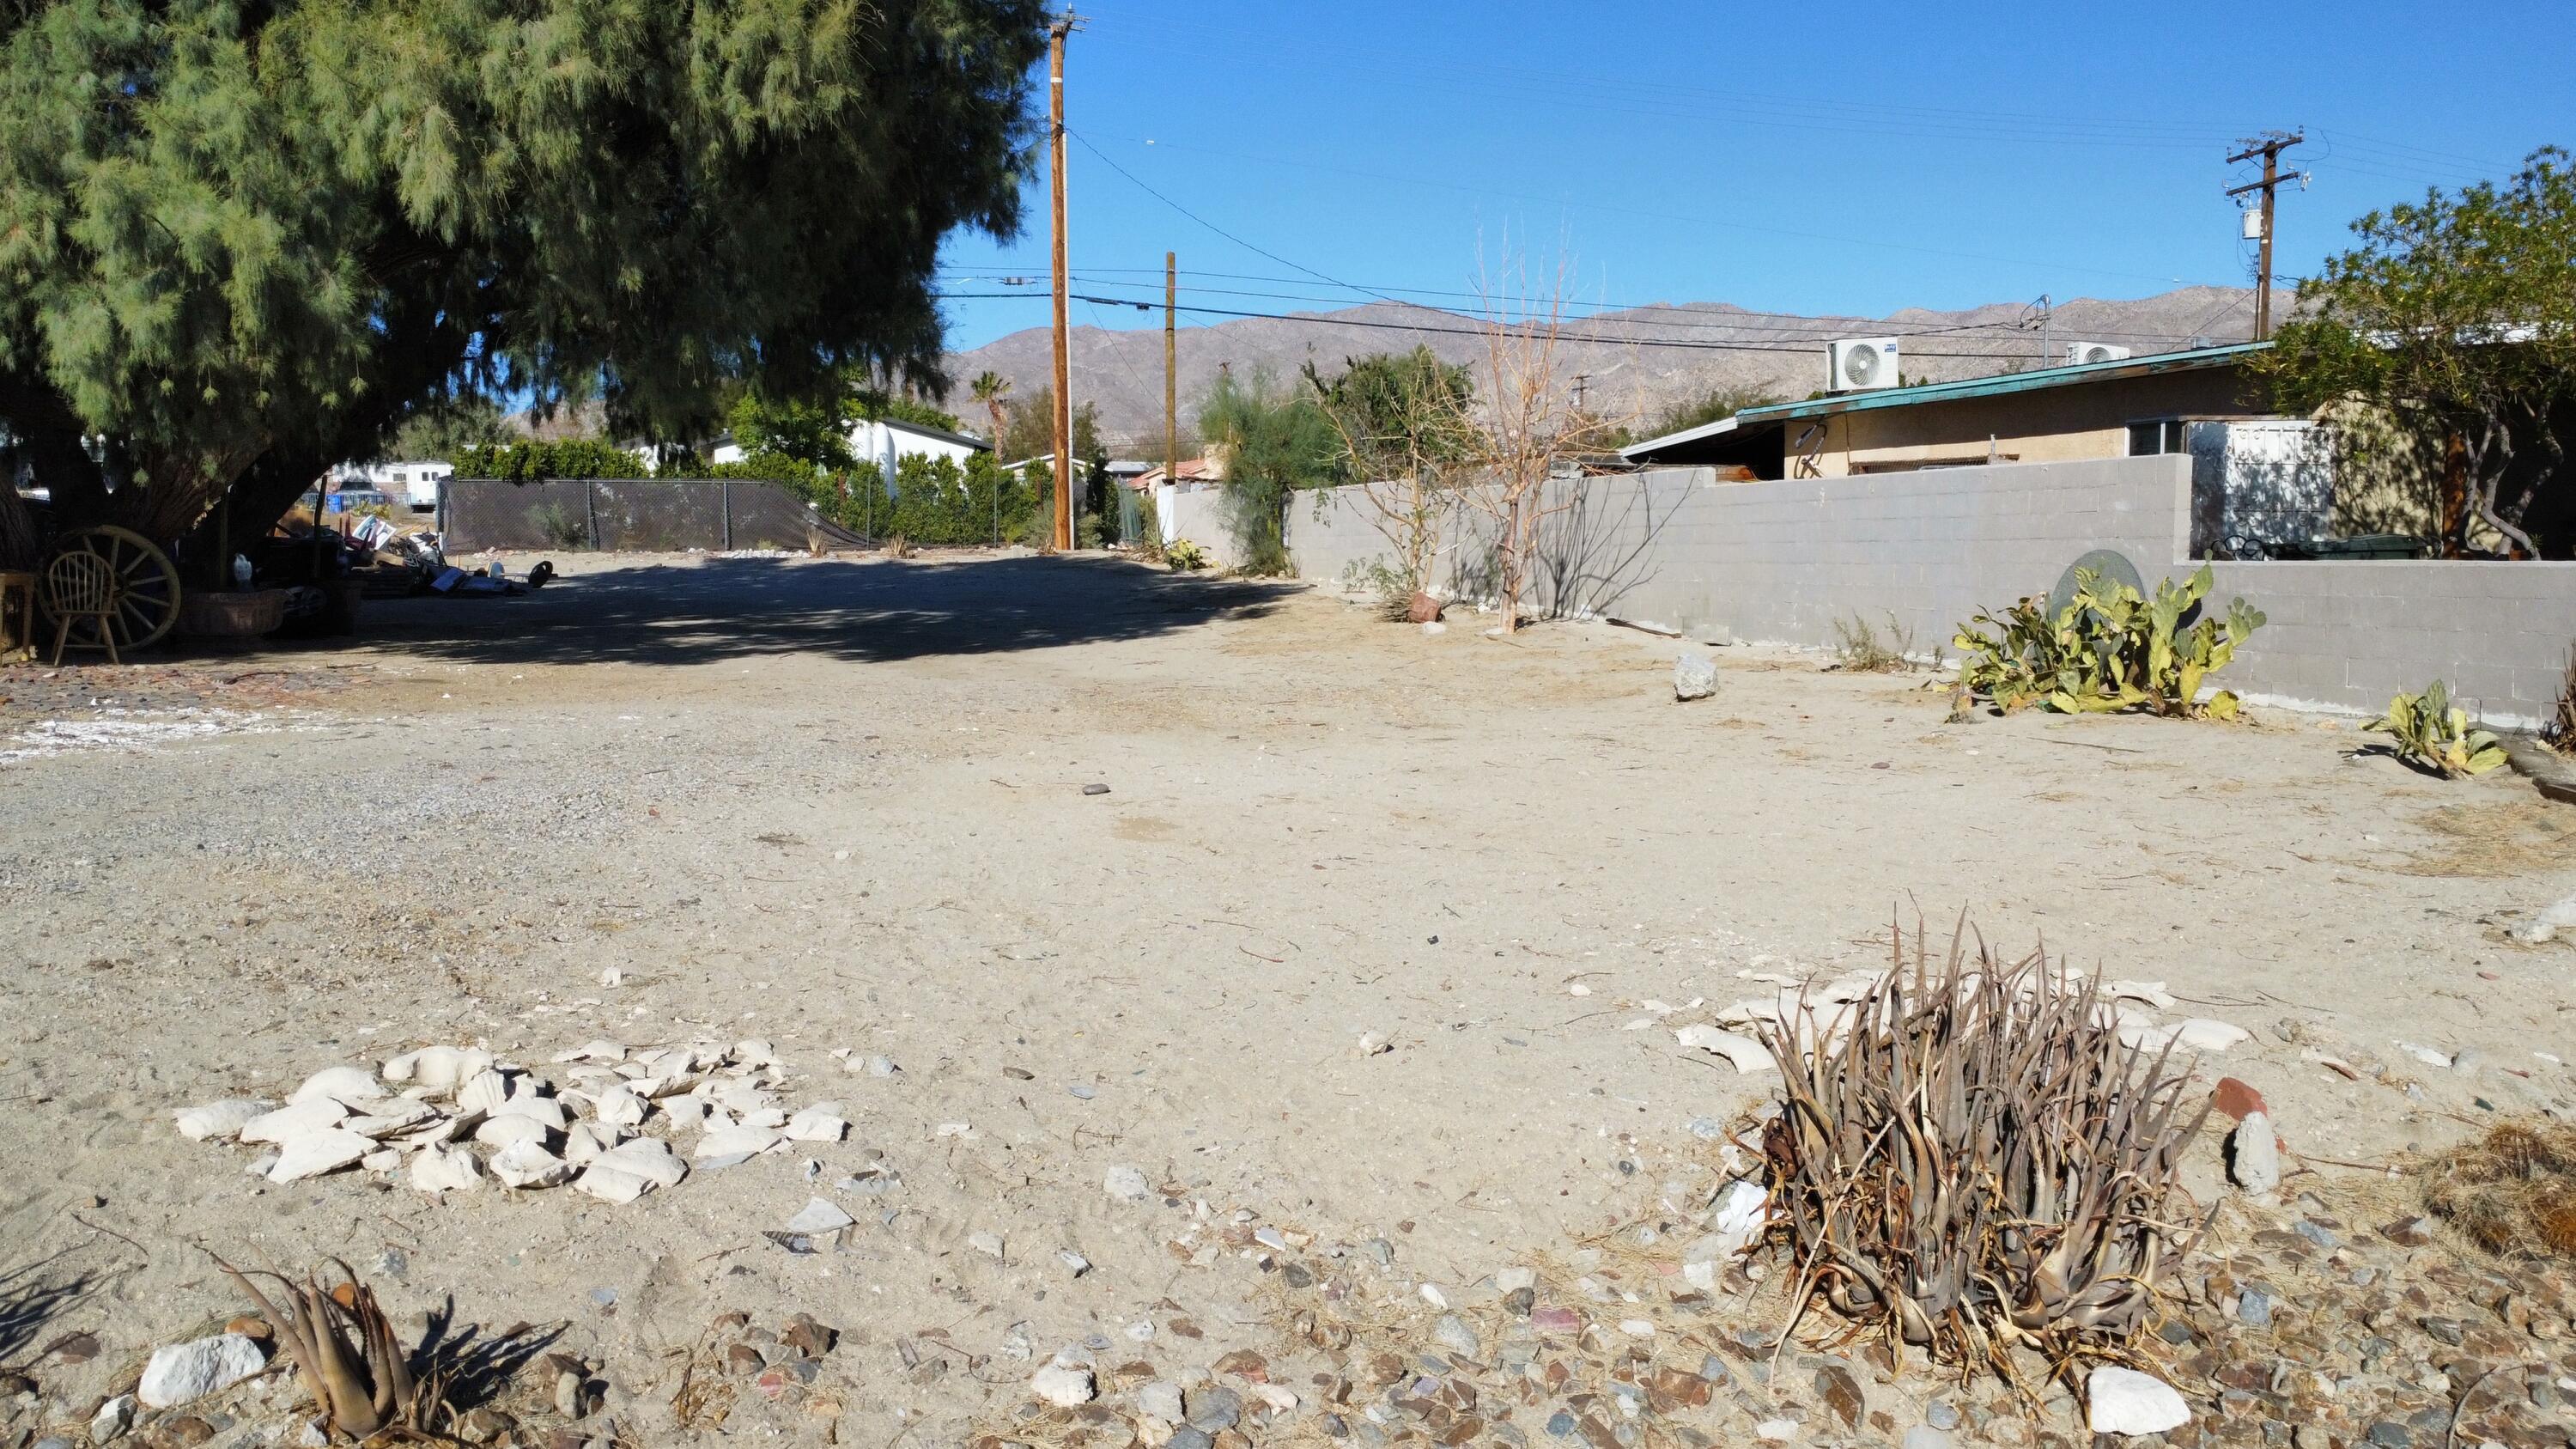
934, 500
529, 462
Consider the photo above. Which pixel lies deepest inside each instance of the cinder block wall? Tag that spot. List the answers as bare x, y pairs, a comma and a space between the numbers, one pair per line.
2351, 634
1200, 518
1780, 562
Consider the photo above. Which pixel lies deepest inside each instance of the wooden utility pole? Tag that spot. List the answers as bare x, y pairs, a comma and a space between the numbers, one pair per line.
1171, 364
1063, 533
2269, 147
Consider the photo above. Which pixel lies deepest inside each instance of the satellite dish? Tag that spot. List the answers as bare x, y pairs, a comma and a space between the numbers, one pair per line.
2109, 564
1862, 365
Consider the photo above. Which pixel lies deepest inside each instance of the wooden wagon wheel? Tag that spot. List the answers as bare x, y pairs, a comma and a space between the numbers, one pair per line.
144, 590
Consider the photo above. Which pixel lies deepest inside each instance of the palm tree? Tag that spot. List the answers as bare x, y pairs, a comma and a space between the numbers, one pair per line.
992, 390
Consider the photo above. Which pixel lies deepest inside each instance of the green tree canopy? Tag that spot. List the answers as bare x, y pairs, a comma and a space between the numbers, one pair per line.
1398, 413
2457, 315
1275, 442
241, 241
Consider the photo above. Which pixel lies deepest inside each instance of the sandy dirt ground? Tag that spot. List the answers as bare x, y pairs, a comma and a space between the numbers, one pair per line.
840, 806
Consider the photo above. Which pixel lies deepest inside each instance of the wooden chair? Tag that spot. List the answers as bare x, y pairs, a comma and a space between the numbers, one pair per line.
80, 585
18, 641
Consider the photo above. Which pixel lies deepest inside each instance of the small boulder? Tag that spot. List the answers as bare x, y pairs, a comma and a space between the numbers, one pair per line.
183, 1372
1694, 677
316, 1153
446, 1169
219, 1120
345, 1085
529, 1165
2124, 1401
1422, 609
819, 1216
2254, 1156
1065, 1382
2233, 1097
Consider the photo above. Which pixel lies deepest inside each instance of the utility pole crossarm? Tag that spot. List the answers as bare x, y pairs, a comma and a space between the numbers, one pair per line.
2269, 148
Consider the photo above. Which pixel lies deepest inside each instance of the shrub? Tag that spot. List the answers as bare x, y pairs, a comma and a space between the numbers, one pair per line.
1966, 1159
529, 462
2434, 734
2513, 1191
1859, 649
562, 527
1184, 555
2110, 648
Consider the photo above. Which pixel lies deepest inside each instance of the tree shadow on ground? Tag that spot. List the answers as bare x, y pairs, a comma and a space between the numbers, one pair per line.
31, 1298
477, 1367
867, 610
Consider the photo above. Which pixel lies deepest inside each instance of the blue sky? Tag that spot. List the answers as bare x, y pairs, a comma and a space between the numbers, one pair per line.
1826, 157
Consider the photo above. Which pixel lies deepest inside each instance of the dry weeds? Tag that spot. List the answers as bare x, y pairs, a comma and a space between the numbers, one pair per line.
2511, 1192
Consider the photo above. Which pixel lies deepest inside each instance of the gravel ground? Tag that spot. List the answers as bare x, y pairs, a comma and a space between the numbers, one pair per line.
1368, 961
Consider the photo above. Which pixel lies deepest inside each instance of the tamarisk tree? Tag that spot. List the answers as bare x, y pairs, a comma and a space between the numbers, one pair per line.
240, 241
2456, 315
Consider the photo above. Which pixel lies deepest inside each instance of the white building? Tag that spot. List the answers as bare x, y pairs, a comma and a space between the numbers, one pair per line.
415, 484
886, 442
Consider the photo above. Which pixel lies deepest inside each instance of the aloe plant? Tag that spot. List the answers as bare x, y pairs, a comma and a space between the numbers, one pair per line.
2109, 648
2435, 733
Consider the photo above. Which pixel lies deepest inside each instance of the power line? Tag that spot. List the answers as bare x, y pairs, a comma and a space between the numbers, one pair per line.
1732, 319
1471, 330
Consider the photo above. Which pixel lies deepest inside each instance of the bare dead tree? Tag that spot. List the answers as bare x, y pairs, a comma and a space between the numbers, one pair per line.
1402, 424
1526, 432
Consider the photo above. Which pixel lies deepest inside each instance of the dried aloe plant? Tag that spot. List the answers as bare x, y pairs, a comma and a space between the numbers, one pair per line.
1967, 1161
347, 1356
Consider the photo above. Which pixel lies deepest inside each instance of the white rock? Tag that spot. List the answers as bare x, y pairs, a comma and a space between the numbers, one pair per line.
2124, 1401
529, 1164
383, 1159
1514, 1279
546, 1112
2201, 1034
391, 1116
446, 1169
1776, 1431
610, 1185
688, 1113
1744, 1052
649, 1158
620, 1107
1127, 1184
747, 1141
874, 1066
594, 1051
819, 1216
2257, 1158
2429, 1056
441, 1068
1161, 1399
511, 1131
1073, 1262
346, 1085
1433, 1295
612, 977
1281, 1401
754, 1052
185, 1372
1694, 676
588, 1140
484, 1091
112, 1419
814, 1124
2153, 993
299, 1120
1065, 1382
988, 1244
220, 1121
1743, 1211
316, 1153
